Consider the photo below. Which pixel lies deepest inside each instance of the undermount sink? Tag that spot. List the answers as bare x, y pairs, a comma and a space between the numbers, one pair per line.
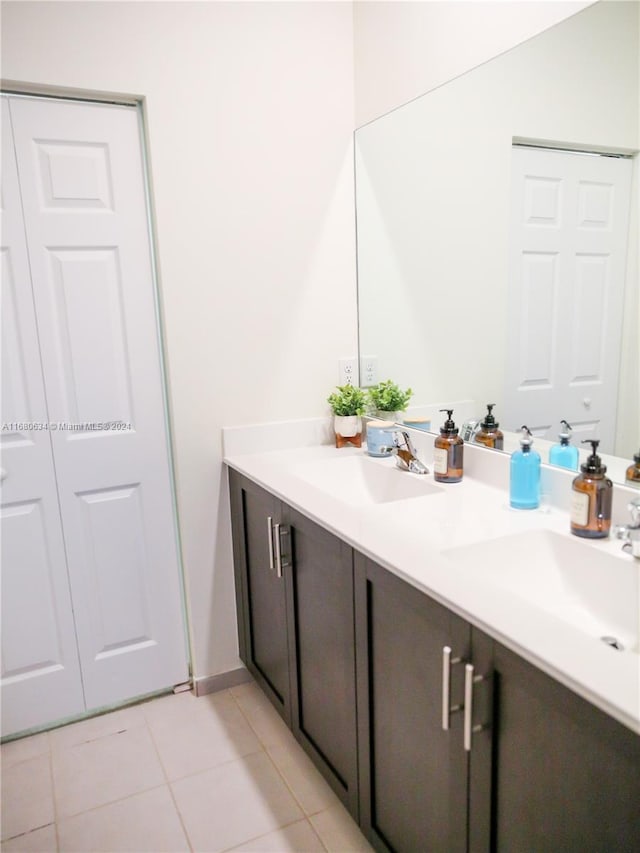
595, 592
361, 481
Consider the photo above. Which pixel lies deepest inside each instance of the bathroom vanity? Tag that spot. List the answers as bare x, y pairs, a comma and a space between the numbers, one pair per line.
391, 622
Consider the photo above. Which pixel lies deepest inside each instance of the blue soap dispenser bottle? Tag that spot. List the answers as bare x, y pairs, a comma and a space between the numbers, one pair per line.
524, 486
565, 454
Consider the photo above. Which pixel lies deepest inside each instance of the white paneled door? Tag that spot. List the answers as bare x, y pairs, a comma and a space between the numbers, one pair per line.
40, 668
568, 252
83, 197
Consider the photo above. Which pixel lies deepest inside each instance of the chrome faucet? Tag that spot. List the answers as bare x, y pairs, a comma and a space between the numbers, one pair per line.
631, 532
406, 456
469, 429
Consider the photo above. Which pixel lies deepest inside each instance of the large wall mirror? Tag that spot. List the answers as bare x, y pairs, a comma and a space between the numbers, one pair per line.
455, 297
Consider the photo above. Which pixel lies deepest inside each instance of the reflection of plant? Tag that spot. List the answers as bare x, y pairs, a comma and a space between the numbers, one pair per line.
387, 397
347, 401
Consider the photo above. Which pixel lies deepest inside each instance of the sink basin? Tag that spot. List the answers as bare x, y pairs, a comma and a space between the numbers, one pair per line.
592, 590
361, 481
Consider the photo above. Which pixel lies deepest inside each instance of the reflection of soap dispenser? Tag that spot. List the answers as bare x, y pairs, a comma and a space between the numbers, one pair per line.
524, 488
448, 449
633, 472
489, 434
591, 499
564, 454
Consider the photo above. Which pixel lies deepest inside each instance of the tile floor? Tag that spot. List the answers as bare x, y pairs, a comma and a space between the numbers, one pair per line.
221, 772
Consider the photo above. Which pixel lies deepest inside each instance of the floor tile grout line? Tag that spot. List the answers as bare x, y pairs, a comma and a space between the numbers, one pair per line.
57, 750
218, 764
264, 749
53, 793
317, 834
267, 750
168, 784
110, 802
41, 755
28, 758
293, 794
289, 788
247, 718
264, 834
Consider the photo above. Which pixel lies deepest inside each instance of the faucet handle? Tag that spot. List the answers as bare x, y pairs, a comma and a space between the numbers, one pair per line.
401, 438
631, 532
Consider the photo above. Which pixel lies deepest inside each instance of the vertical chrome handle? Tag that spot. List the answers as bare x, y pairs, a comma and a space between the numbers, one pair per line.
468, 704
447, 710
469, 680
270, 538
280, 530
276, 530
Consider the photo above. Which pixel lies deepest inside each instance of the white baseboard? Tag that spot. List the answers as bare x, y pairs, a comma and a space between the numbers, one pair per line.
213, 683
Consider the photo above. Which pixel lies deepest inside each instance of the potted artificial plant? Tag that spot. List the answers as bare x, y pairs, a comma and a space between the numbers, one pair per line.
388, 401
347, 404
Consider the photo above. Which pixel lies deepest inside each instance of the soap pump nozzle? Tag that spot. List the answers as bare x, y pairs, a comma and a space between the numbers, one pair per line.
448, 428
526, 439
565, 434
593, 465
489, 421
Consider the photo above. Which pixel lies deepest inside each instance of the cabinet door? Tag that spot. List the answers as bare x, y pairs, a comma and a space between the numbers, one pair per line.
567, 775
413, 773
322, 649
260, 592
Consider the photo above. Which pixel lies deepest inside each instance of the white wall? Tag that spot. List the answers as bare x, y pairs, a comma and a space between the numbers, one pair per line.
404, 49
250, 114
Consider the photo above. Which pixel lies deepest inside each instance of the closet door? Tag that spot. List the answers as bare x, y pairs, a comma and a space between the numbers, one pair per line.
40, 670
81, 176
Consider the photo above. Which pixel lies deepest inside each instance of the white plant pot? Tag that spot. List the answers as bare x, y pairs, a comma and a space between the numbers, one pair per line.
396, 417
347, 425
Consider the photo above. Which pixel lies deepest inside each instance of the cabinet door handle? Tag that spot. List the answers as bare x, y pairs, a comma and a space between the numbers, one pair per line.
469, 729
279, 531
270, 539
447, 710
276, 530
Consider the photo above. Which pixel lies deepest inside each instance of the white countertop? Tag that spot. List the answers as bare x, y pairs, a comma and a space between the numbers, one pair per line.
411, 537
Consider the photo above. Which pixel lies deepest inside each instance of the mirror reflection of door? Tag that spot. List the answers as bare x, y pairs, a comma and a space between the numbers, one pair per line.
567, 263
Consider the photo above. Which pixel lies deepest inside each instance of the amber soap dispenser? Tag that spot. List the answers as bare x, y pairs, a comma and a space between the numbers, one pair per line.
489, 434
591, 498
448, 451
633, 472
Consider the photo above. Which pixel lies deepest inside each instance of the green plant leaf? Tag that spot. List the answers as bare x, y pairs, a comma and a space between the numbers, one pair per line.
388, 397
347, 400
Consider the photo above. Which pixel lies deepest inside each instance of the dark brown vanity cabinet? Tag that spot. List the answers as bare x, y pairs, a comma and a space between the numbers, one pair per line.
527, 765
566, 775
261, 598
414, 768
322, 653
458, 744
294, 588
